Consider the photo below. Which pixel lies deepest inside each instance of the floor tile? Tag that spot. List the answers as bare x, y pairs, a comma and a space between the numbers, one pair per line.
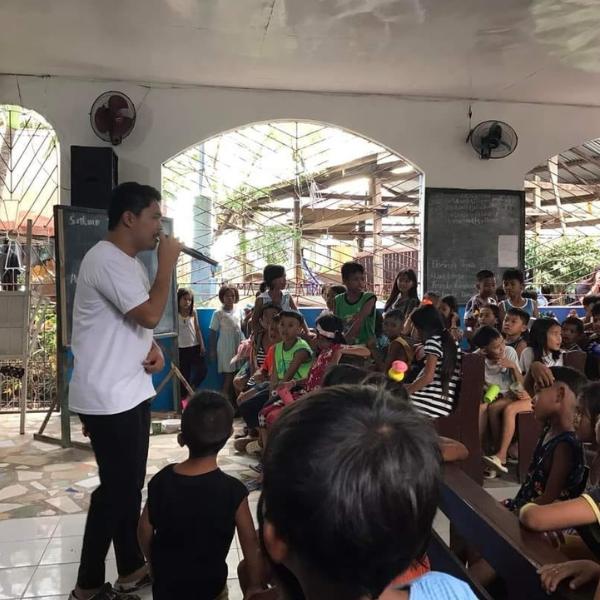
12, 491
52, 580
65, 504
22, 554
232, 563
13, 582
62, 550
28, 529
235, 591
70, 525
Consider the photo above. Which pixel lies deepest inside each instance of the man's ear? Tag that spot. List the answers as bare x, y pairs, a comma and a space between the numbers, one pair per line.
276, 547
127, 218
180, 439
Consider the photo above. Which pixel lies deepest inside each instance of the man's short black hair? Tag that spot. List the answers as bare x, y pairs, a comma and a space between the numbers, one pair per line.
576, 322
130, 197
485, 335
513, 275
570, 377
206, 423
522, 314
485, 274
372, 462
350, 268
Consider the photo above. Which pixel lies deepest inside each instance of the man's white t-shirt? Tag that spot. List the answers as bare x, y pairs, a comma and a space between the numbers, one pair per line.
109, 349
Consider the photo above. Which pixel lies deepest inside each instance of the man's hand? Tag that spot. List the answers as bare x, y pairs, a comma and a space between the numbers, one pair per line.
169, 250
202, 350
155, 361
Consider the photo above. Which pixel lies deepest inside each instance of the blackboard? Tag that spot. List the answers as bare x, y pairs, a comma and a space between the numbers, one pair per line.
76, 230
467, 231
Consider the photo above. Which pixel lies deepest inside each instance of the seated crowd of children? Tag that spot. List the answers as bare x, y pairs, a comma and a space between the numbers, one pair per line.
285, 382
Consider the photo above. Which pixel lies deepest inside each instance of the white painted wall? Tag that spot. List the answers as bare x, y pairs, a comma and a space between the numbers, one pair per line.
430, 133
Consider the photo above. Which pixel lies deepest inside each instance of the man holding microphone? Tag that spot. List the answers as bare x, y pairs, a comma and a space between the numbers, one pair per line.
114, 313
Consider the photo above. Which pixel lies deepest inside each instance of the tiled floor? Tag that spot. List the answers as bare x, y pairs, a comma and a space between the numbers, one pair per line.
44, 494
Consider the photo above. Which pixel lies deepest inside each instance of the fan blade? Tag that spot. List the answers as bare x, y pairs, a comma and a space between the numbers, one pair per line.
102, 119
122, 125
116, 103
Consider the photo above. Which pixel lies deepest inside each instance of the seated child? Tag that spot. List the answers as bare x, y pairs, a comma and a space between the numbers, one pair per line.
448, 308
502, 370
545, 339
398, 348
514, 328
433, 393
329, 295
589, 302
193, 510
572, 330
557, 470
486, 286
490, 315
332, 346
362, 451
513, 282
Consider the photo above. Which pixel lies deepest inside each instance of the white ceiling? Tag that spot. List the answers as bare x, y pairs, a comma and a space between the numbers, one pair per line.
525, 50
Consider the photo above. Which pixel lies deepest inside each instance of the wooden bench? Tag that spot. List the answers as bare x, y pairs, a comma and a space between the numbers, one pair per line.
528, 430
463, 424
495, 533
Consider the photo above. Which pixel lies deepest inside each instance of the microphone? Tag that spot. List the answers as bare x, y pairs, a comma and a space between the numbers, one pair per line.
199, 256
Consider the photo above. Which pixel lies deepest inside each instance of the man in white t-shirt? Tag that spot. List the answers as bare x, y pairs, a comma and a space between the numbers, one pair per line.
114, 313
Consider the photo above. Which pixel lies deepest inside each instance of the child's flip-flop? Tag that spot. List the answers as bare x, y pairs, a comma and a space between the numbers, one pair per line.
493, 462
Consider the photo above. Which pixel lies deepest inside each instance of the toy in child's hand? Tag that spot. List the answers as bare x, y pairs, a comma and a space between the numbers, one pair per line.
397, 371
594, 348
492, 394
283, 391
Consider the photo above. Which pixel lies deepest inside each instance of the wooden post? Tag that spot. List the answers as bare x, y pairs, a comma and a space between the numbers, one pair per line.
375, 193
297, 243
26, 329
553, 168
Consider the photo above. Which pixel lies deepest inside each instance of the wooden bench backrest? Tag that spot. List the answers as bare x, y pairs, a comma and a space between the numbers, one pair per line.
463, 424
513, 552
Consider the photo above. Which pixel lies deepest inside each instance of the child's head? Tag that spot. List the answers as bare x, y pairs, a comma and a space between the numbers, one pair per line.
353, 276
589, 302
268, 312
515, 322
486, 283
500, 295
332, 292
572, 331
432, 298
273, 330
545, 338
329, 331
406, 283
274, 277
489, 315
448, 307
490, 342
381, 380
343, 374
228, 295
368, 453
393, 322
596, 317
206, 424
589, 409
290, 325
560, 398
185, 301
513, 282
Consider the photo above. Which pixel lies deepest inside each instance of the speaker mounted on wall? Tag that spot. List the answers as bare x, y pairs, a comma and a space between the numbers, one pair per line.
94, 175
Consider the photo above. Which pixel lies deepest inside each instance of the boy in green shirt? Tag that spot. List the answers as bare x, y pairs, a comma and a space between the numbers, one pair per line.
356, 307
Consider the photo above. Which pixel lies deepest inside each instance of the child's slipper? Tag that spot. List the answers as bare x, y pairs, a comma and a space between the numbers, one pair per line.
258, 468
253, 486
253, 448
489, 474
240, 445
241, 434
493, 462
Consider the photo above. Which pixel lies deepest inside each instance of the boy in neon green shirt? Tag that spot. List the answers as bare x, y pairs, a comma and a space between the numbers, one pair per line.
356, 307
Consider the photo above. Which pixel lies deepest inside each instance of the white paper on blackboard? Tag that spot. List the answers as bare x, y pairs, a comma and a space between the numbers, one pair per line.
508, 250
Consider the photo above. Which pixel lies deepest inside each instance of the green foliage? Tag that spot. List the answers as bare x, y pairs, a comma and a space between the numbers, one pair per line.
564, 261
272, 245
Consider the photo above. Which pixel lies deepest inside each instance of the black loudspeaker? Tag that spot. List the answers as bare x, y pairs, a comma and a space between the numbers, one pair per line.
94, 175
